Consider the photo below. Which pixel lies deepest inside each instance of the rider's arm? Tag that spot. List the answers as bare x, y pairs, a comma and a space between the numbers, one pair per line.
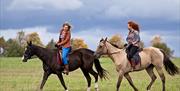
136, 37
67, 38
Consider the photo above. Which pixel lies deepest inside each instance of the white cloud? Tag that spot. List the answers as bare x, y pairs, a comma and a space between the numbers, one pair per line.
92, 36
168, 9
45, 5
42, 31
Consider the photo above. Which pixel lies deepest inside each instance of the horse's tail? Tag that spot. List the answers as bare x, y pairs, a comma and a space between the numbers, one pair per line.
171, 68
101, 72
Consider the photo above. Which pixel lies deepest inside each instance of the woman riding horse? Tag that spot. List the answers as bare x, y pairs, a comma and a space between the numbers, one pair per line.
133, 40
81, 58
151, 57
64, 42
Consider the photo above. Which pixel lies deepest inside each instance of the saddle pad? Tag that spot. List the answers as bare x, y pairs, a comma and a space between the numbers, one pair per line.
59, 59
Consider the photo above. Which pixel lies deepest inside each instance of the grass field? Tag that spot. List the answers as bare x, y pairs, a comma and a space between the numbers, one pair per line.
18, 76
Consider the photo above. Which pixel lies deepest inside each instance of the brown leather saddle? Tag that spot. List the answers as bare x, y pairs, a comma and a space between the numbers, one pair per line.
59, 57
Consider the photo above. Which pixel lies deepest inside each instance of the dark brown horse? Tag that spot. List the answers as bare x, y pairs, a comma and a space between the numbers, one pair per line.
80, 58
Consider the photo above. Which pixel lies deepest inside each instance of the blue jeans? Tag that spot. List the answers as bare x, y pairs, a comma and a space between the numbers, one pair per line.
65, 52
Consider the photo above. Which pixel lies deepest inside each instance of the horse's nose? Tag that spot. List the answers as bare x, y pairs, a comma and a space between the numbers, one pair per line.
23, 59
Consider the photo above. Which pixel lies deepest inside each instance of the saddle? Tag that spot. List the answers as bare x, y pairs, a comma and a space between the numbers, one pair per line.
59, 57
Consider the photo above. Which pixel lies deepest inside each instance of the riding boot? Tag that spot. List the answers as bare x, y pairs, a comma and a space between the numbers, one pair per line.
66, 69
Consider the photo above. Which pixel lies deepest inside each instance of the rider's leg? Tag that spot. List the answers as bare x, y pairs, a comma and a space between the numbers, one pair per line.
133, 50
65, 52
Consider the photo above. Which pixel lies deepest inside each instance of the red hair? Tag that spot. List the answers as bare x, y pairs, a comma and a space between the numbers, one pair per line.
67, 24
134, 25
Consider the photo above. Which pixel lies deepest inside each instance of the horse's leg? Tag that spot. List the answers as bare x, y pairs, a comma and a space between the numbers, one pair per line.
45, 77
92, 72
161, 74
130, 81
88, 78
119, 80
150, 72
62, 81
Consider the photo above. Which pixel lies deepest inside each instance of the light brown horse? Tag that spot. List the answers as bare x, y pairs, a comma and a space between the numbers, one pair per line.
150, 57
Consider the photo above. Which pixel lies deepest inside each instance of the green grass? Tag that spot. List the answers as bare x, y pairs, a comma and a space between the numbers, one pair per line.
18, 76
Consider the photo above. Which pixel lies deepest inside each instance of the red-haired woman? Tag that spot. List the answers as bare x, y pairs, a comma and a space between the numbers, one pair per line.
133, 40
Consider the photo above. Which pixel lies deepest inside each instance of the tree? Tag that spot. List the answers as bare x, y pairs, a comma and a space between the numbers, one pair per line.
2, 42
51, 44
13, 49
117, 40
78, 43
164, 47
2, 45
34, 37
21, 38
141, 44
157, 42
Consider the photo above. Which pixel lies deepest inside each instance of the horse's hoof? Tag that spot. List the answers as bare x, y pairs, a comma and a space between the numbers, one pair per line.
88, 89
96, 89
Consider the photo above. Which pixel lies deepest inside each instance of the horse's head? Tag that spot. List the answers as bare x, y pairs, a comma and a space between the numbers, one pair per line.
101, 48
28, 52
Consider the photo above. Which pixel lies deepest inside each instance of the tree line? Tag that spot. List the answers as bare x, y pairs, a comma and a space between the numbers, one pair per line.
15, 47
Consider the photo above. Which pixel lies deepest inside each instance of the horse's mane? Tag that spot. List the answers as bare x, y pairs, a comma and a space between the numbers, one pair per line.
114, 45
47, 49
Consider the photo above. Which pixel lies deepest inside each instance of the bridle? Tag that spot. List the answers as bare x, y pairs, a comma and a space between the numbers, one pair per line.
109, 53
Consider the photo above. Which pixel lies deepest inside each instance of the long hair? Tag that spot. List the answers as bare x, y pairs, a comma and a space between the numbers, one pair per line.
134, 25
67, 24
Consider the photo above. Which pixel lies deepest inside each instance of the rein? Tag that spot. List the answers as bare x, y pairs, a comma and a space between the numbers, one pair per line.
112, 52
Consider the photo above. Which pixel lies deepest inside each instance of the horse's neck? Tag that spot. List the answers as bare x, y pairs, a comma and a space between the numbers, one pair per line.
111, 48
116, 54
41, 53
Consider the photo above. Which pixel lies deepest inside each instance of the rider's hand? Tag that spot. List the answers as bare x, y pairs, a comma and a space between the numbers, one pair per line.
56, 45
125, 45
133, 43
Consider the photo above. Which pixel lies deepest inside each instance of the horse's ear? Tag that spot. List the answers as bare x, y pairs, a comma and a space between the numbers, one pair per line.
105, 39
29, 43
101, 40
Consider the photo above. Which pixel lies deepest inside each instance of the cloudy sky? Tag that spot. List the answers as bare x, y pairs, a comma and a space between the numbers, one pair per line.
92, 19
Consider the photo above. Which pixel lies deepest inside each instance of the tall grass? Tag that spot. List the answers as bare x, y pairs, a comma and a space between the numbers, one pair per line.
18, 76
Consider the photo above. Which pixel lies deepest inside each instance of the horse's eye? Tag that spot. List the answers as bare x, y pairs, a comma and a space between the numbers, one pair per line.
100, 46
